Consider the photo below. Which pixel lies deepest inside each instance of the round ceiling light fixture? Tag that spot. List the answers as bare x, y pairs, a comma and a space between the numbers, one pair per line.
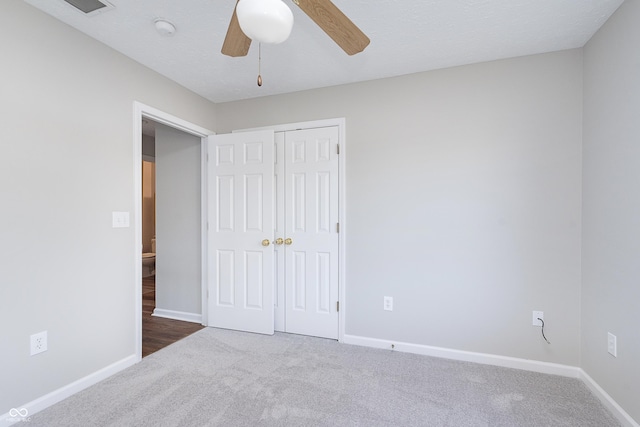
265, 21
164, 27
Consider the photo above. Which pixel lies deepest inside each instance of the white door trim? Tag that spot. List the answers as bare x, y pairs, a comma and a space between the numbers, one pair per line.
341, 124
141, 110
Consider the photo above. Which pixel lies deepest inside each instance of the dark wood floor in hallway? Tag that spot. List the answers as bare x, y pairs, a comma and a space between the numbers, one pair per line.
158, 332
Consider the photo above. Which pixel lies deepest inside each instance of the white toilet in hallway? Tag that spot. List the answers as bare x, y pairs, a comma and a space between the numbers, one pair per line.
149, 260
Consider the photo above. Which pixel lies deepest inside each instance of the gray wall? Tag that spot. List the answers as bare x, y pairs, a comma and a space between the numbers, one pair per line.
611, 207
178, 229
463, 202
66, 162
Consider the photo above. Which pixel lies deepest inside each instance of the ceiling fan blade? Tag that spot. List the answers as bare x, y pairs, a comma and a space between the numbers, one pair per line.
336, 24
236, 43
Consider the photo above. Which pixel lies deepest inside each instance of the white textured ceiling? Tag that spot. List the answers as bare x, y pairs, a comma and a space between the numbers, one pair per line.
406, 37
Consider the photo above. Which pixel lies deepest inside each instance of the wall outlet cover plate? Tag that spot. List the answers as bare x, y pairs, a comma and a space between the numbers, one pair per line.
534, 320
38, 343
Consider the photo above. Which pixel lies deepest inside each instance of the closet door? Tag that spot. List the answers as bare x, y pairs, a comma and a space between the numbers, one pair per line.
311, 234
241, 225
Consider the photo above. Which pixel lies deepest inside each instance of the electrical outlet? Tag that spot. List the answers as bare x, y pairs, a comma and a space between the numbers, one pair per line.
536, 315
38, 342
612, 344
388, 303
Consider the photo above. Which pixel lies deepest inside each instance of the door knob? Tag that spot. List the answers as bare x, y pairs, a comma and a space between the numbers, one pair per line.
278, 241
288, 241
265, 242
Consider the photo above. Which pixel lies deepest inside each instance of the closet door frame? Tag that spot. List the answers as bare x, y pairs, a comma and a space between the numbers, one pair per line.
340, 124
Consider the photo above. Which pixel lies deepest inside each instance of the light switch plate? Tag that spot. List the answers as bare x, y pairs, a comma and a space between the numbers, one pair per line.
120, 219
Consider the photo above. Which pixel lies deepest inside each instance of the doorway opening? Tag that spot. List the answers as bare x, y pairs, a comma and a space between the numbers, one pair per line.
160, 319
160, 328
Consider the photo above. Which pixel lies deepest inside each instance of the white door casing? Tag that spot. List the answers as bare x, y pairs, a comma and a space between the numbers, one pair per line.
141, 111
240, 224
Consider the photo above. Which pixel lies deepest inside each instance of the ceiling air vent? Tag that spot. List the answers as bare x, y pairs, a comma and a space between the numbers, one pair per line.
90, 7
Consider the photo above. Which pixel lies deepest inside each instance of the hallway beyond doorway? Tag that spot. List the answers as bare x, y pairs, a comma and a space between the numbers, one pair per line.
159, 332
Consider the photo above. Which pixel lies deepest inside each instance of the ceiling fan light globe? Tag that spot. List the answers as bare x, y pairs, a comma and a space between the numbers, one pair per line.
265, 21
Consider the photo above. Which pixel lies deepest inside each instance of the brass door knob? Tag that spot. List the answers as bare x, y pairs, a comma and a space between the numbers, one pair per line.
288, 241
265, 242
278, 241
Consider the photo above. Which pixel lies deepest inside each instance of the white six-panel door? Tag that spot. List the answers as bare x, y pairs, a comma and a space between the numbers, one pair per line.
240, 210
283, 191
310, 231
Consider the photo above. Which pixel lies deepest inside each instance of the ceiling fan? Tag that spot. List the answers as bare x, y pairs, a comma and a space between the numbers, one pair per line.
323, 12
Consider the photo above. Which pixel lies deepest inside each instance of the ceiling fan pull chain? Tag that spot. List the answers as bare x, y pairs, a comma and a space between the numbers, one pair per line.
259, 63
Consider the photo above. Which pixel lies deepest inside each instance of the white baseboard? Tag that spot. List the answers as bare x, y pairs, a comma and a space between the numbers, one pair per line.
467, 356
178, 315
62, 393
507, 362
622, 415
